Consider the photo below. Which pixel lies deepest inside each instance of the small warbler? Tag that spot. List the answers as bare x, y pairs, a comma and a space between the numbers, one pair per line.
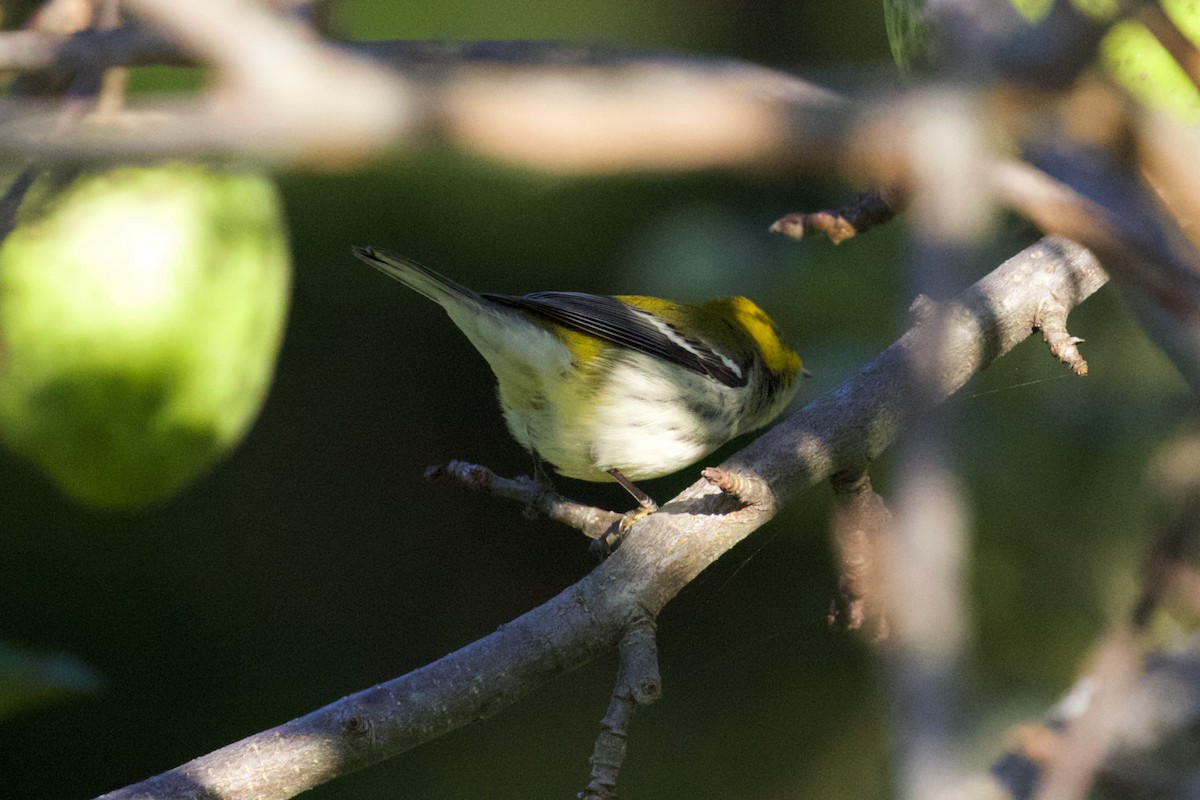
618, 388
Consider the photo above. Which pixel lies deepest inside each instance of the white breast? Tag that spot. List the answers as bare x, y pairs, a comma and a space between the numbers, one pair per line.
644, 425
648, 419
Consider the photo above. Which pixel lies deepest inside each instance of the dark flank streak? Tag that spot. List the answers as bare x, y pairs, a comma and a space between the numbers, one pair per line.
704, 411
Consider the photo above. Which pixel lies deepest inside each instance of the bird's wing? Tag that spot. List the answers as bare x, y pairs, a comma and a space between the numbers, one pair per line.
613, 321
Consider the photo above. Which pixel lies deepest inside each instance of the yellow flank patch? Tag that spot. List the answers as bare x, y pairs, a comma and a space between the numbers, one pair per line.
584, 349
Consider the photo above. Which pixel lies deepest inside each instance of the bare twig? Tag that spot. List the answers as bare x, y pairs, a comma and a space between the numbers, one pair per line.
638, 684
861, 525
747, 489
1052, 322
595, 523
866, 211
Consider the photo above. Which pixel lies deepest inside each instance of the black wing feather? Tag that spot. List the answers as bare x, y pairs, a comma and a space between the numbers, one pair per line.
610, 320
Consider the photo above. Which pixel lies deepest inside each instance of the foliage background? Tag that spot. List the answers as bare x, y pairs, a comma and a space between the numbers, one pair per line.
315, 562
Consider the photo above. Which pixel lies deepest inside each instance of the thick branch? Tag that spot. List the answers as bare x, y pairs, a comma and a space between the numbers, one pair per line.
555, 106
843, 429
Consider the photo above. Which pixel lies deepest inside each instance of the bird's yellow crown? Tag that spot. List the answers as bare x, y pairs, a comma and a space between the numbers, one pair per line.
777, 356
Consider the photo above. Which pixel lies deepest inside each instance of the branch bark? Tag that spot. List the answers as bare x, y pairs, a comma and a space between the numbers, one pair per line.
843, 429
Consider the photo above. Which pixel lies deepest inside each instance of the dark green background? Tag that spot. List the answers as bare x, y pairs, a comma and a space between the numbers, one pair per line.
315, 562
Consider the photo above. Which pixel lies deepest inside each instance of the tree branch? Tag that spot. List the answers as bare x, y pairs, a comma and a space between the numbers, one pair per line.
842, 429
638, 684
866, 211
594, 523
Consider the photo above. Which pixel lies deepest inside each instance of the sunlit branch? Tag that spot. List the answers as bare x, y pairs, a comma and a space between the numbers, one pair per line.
843, 429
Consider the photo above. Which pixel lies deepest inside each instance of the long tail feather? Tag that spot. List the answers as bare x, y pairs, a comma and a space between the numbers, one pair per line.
437, 288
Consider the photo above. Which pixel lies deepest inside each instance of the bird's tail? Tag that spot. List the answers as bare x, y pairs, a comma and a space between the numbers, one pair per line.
437, 288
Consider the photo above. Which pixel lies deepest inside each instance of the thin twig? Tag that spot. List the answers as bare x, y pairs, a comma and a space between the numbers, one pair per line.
866, 211
1052, 322
595, 523
638, 683
861, 525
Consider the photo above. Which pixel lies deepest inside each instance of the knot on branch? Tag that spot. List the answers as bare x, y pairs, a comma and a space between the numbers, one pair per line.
357, 726
473, 476
1051, 320
866, 211
749, 489
922, 309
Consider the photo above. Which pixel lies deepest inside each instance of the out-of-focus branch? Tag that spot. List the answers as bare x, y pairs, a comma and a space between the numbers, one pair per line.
1172, 39
1153, 260
131, 45
1051, 54
548, 106
924, 563
1166, 157
864, 212
843, 429
1086, 741
1169, 574
278, 94
1128, 708
1157, 701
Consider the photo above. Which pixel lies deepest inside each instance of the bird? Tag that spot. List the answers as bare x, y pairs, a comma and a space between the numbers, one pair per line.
618, 388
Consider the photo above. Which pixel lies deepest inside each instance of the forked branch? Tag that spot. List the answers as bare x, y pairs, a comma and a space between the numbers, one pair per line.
843, 429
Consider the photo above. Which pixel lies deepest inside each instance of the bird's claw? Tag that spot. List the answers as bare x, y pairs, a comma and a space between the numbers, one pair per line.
633, 516
604, 546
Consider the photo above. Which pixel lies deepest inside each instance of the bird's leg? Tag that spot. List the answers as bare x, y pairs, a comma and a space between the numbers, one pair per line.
646, 506
541, 475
